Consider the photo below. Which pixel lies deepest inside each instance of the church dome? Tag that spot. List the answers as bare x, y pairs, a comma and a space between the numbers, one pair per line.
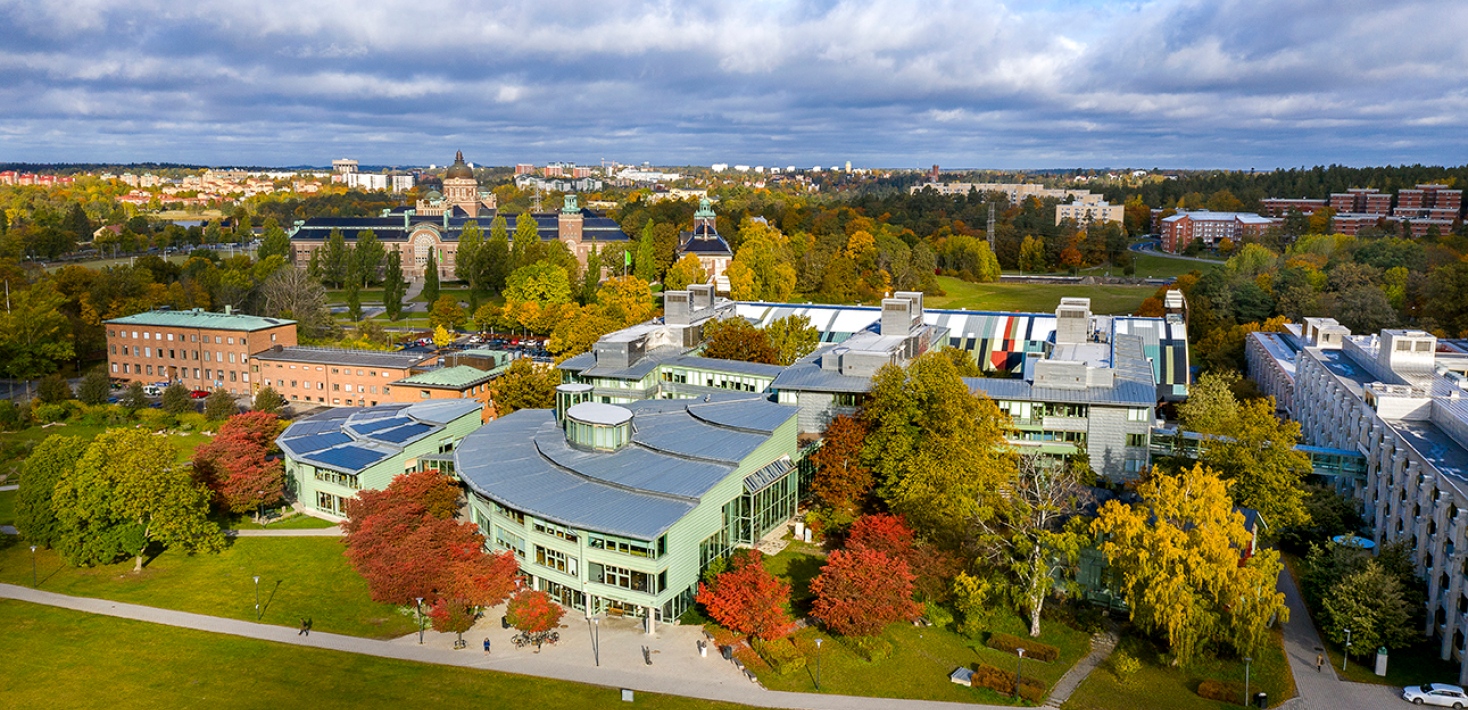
459, 170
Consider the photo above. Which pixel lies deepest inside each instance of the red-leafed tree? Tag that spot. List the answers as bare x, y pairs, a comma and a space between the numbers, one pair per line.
883, 532
405, 542
748, 599
451, 616
533, 612
840, 480
236, 465
859, 592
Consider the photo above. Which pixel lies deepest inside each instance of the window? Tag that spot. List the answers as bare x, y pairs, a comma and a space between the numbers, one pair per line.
555, 531
272, 337
424, 394
556, 560
347, 387
194, 338
147, 352
114, 368
635, 548
336, 387
171, 355
1136, 439
150, 369
231, 376
622, 577
506, 540
340, 479
514, 515
147, 335
112, 349
1135, 414
231, 340
170, 336
218, 340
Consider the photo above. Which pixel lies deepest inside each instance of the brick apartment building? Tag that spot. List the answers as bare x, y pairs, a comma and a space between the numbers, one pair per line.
334, 376
1362, 200
203, 350
1279, 207
1435, 202
1179, 230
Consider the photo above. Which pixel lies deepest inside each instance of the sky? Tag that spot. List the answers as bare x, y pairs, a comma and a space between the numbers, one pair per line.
1233, 84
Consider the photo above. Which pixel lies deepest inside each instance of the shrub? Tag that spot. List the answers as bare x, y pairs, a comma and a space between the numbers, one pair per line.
11, 416
870, 648
1033, 649
47, 413
1002, 681
1125, 666
1219, 690
781, 654
938, 614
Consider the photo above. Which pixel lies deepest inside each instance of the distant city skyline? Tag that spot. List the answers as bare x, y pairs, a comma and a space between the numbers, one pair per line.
1172, 84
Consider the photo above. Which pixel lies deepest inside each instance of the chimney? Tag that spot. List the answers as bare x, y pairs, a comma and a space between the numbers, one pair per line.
228, 309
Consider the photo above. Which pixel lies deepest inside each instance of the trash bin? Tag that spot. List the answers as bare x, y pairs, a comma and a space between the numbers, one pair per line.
1381, 661
728, 652
504, 622
1261, 699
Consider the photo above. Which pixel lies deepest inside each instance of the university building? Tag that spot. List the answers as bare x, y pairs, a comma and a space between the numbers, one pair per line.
203, 350
1398, 399
707, 245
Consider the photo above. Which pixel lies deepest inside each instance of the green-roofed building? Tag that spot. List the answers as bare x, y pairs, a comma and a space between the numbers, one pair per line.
452, 382
199, 348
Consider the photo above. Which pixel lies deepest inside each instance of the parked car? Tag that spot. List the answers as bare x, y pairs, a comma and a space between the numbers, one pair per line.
199, 394
1440, 694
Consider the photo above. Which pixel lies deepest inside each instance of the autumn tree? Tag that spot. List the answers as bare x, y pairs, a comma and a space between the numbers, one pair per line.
1181, 556
126, 493
687, 270
737, 339
1032, 255
762, 268
134, 398
447, 312
236, 465
841, 479
35, 337
95, 387
451, 616
793, 337
406, 542
524, 385
883, 532
747, 598
626, 300
860, 591
540, 282
52, 459
577, 334
1026, 536
533, 612
937, 449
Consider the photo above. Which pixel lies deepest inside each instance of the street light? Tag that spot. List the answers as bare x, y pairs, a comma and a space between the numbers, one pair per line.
596, 639
257, 597
818, 664
260, 507
34, 583
1018, 665
1346, 654
419, 607
1247, 661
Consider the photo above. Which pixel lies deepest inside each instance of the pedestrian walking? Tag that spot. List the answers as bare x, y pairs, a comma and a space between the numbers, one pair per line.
308, 626
1319, 661
303, 627
486, 646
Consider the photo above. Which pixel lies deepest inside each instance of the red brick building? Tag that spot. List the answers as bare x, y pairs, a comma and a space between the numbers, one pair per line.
202, 350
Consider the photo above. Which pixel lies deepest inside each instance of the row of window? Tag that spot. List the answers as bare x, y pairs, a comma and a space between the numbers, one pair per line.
555, 531
710, 379
635, 548
146, 351
361, 389
163, 371
340, 479
1072, 437
194, 338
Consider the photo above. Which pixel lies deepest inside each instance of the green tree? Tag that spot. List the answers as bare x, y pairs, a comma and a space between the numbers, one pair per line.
591, 276
467, 259
525, 385
393, 286
219, 405
645, 263
495, 255
129, 477
793, 337
54, 389
539, 282
447, 313
367, 257
354, 298
1178, 557
937, 449
335, 259
134, 398
268, 400
176, 399
430, 277
35, 336
274, 242
685, 271
1370, 602
95, 387
35, 515
526, 249
1032, 255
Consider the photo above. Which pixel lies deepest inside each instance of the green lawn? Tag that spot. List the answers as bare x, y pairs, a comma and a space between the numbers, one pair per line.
1036, 298
922, 657
185, 442
299, 577
1150, 266
7, 507
66, 659
1160, 686
298, 521
369, 297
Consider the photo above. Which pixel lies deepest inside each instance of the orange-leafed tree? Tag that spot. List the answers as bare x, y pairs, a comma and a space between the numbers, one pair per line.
533, 612
451, 616
748, 598
859, 592
841, 481
883, 532
236, 466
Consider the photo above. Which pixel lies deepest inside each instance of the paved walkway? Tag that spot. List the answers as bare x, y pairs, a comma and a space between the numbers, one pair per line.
1322, 690
1101, 647
409, 305
676, 669
333, 531
11, 487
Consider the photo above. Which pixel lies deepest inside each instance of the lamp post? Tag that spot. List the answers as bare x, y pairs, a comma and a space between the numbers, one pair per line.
818, 664
1018, 667
419, 606
1247, 661
34, 582
596, 639
260, 507
257, 597
1346, 654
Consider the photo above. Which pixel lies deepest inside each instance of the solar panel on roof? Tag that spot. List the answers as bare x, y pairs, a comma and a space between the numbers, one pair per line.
402, 433
379, 424
317, 442
351, 458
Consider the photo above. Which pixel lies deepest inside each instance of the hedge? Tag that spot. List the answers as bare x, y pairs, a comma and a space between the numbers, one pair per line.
781, 654
1033, 649
870, 648
1002, 681
1227, 692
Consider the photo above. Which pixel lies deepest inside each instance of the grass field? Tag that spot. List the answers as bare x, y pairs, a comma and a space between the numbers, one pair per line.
1036, 298
1150, 266
922, 657
1162, 687
299, 577
65, 659
185, 442
298, 521
7, 507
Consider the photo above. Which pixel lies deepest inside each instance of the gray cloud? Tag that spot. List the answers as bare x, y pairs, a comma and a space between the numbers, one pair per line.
1204, 83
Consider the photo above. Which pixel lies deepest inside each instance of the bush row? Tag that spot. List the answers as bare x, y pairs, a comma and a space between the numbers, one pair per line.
1002, 682
1227, 692
1033, 649
781, 654
870, 648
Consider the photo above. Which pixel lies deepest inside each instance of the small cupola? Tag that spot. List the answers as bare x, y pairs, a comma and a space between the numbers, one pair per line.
597, 426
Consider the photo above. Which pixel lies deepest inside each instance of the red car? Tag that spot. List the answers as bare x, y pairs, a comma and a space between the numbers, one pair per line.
199, 394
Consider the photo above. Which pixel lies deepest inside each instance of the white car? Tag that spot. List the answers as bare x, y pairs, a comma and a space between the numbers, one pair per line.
1441, 694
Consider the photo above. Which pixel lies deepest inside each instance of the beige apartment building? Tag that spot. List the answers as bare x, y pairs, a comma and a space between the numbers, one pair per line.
334, 376
203, 350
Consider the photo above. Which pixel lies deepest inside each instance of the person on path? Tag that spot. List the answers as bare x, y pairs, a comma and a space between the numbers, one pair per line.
486, 646
303, 627
308, 626
1319, 662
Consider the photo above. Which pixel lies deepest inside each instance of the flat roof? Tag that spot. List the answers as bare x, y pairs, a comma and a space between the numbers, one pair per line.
352, 439
456, 377
200, 318
343, 356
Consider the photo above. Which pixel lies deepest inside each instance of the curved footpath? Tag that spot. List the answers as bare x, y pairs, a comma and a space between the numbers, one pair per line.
677, 668
1322, 690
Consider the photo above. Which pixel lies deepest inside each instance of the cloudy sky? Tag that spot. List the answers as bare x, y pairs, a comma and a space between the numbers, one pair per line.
1027, 83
